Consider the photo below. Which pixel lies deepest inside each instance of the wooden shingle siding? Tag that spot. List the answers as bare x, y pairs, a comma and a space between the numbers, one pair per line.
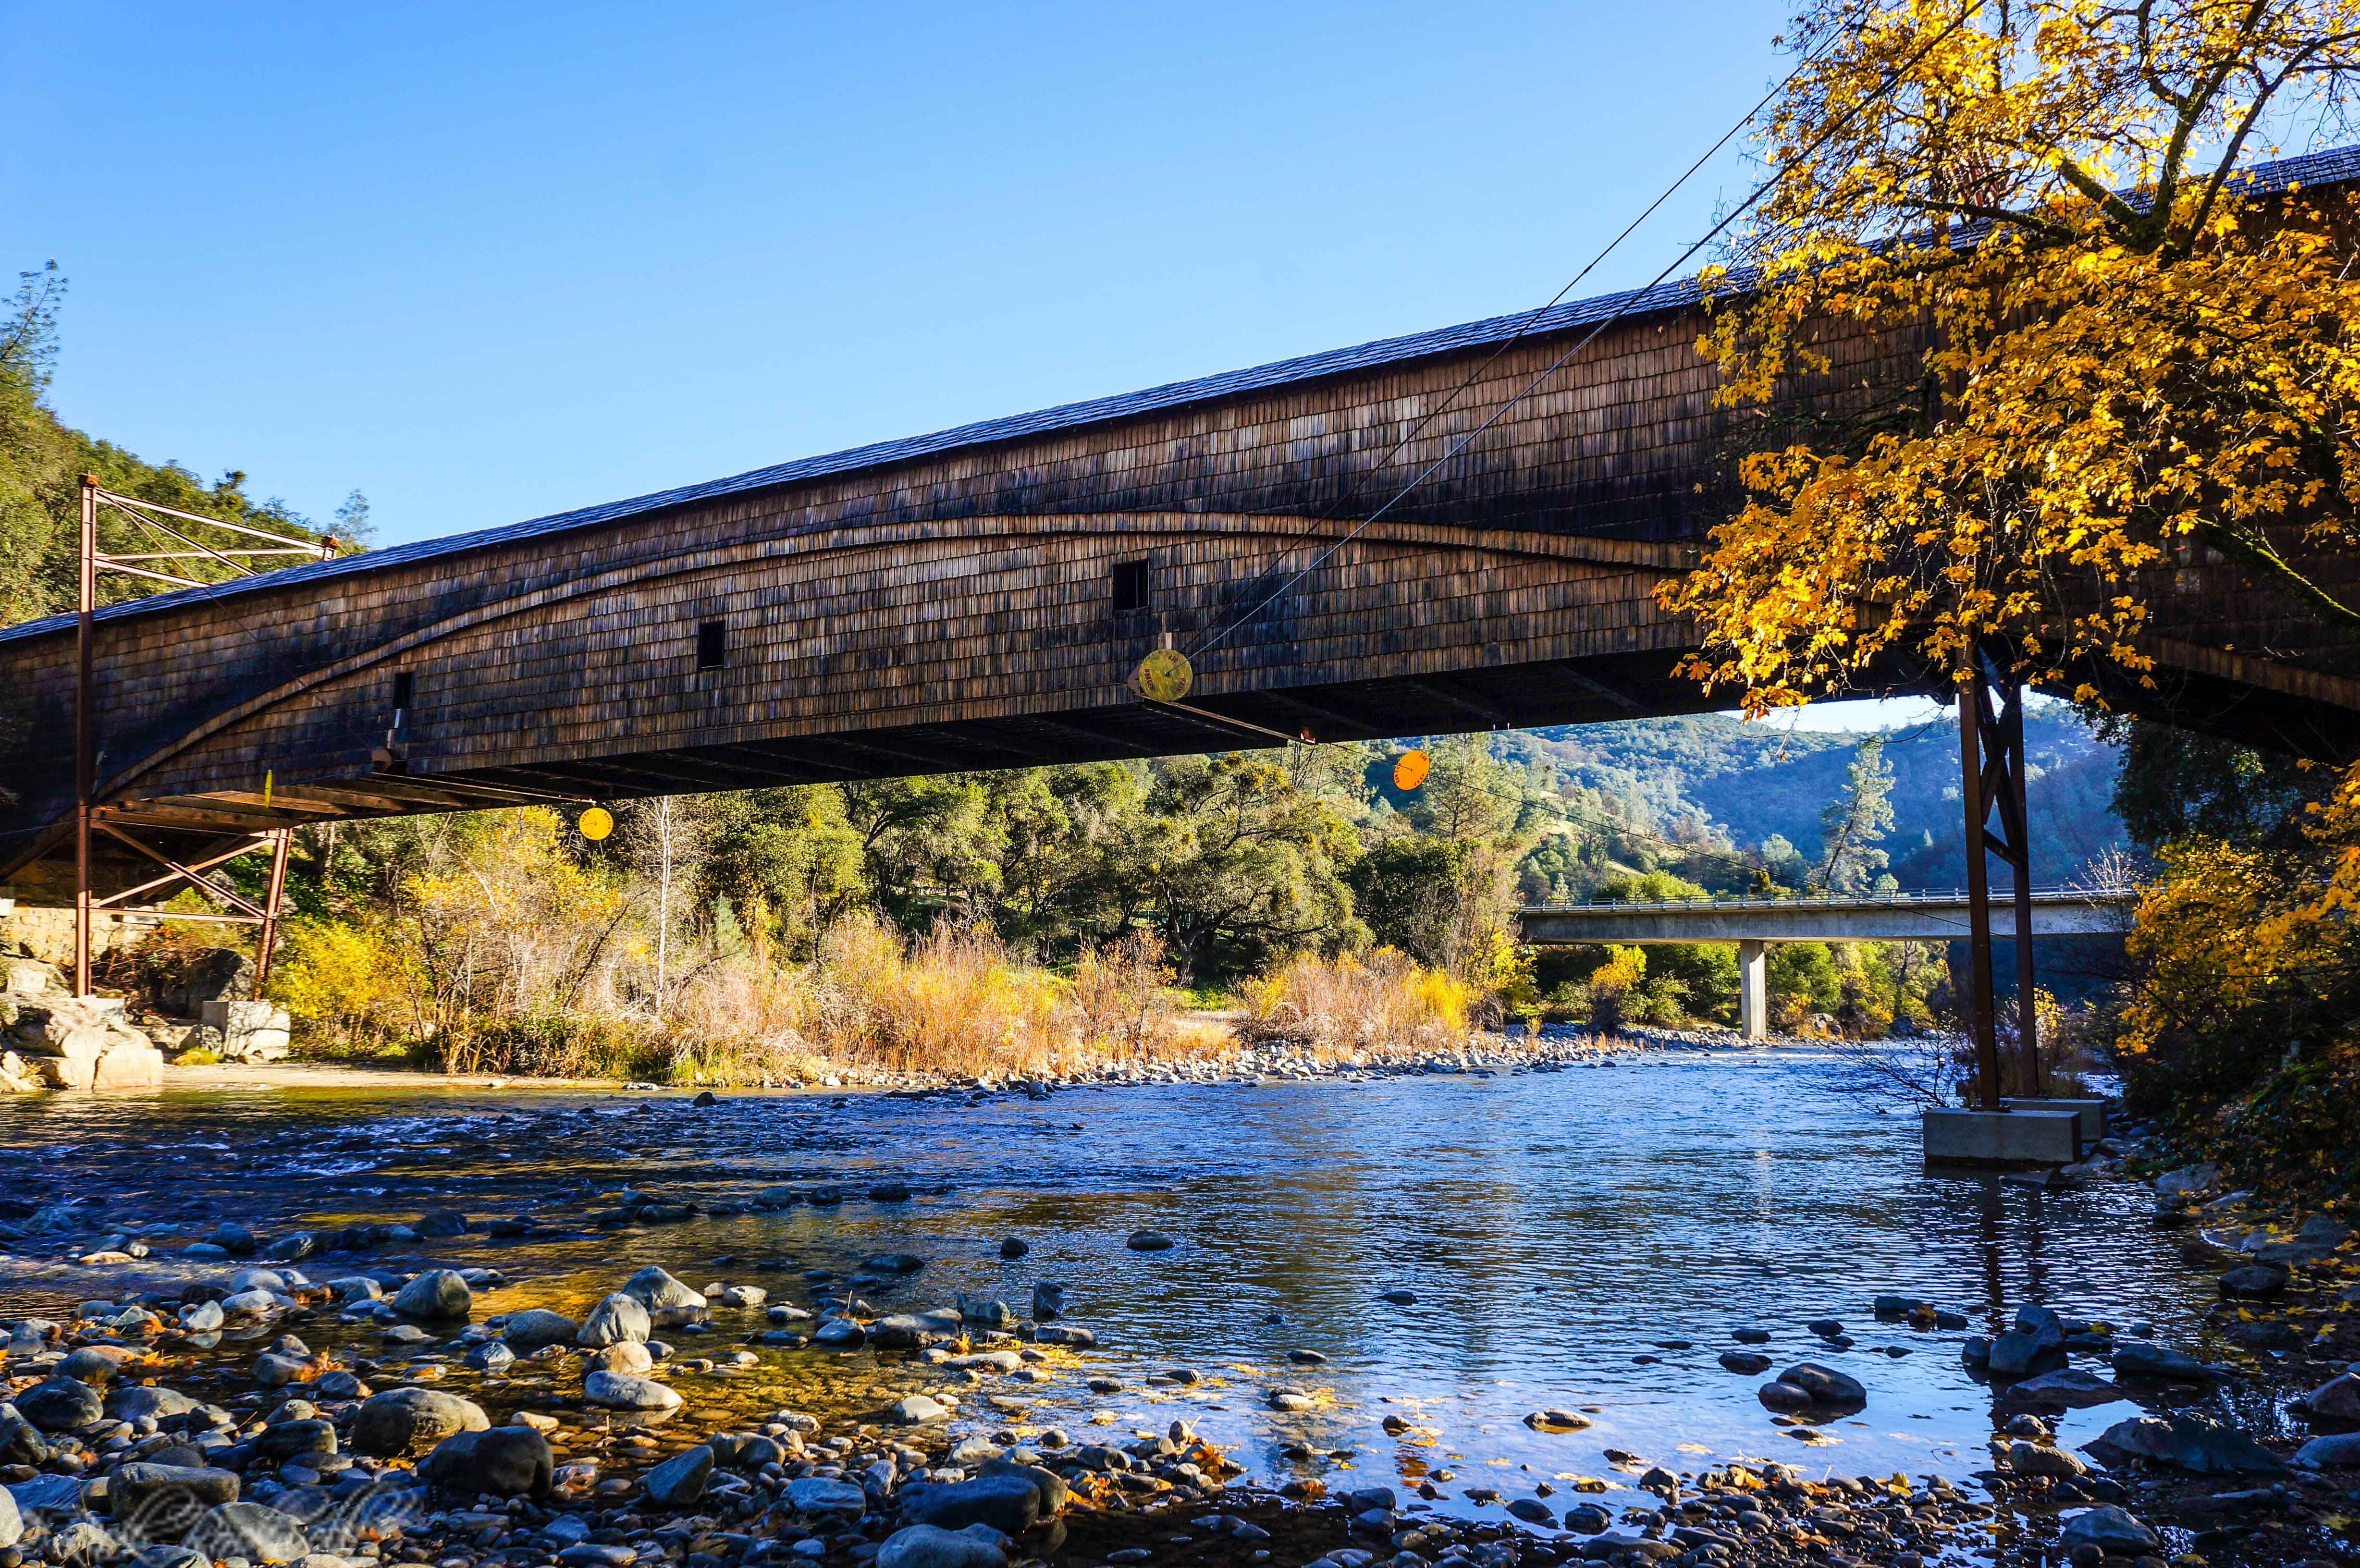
952, 609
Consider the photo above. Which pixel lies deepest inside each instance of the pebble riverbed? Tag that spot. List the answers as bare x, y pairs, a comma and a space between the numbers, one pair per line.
1491, 1313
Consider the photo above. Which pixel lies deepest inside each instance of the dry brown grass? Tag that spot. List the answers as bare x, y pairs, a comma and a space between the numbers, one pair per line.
1380, 1005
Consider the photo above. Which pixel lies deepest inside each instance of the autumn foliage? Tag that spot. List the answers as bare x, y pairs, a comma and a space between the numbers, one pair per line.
2012, 336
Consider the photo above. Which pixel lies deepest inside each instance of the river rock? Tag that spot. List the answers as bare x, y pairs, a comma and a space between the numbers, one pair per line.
2039, 1459
985, 1311
840, 1333
293, 1439
679, 1480
492, 1356
1822, 1388
2141, 1358
2068, 1387
2254, 1282
1048, 1301
916, 1409
249, 1530
60, 1404
1556, 1420
439, 1293
1014, 1247
1746, 1362
1149, 1241
1048, 1483
502, 1461
669, 1302
624, 1355
618, 1318
21, 1441
826, 1495
2184, 1442
623, 1391
2112, 1531
1007, 1503
929, 1546
400, 1420
2341, 1452
2338, 1398
11, 1523
163, 1500
2036, 1344
535, 1328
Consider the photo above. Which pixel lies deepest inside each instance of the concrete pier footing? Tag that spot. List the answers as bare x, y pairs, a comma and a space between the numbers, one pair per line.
2002, 1139
2092, 1112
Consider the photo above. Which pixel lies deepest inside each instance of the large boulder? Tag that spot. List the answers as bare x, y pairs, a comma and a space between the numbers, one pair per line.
816, 1495
11, 1523
2183, 1443
1007, 1503
624, 1391
614, 1319
2341, 1452
2338, 1398
2112, 1531
213, 976
669, 1302
679, 1480
501, 1461
60, 1404
400, 1420
1807, 1387
2035, 1345
928, 1546
537, 1327
439, 1293
2139, 1358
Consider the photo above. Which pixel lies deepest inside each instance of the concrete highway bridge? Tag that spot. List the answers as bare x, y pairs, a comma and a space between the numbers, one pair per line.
976, 598
1753, 923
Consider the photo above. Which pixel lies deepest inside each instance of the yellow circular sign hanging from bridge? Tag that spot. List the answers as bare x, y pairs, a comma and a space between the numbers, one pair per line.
1164, 676
1410, 769
596, 823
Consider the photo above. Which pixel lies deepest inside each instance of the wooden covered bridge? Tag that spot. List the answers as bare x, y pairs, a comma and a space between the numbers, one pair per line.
976, 598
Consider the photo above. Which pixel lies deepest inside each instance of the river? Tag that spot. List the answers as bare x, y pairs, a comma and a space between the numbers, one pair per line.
1562, 1232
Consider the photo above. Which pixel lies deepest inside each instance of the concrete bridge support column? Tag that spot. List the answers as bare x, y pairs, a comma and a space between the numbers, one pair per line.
1753, 990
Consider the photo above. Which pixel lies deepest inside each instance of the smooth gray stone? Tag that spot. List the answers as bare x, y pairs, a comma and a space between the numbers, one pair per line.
930, 1546
439, 1293
2112, 1531
537, 1327
622, 1391
679, 1480
614, 1319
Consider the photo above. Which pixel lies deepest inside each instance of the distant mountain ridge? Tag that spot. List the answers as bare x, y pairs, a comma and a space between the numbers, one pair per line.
1753, 781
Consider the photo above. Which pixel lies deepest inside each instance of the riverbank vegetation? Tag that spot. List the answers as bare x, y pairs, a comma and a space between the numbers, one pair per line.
2121, 360
1034, 921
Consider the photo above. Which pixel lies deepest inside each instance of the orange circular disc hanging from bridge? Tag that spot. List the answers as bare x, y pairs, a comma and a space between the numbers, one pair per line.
596, 823
1410, 769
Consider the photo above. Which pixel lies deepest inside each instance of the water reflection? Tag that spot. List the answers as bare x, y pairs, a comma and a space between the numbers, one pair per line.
1562, 1234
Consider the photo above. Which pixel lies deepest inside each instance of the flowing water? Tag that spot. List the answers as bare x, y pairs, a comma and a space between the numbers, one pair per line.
1561, 1232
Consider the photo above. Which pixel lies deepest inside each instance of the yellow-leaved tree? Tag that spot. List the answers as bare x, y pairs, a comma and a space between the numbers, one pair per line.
2010, 336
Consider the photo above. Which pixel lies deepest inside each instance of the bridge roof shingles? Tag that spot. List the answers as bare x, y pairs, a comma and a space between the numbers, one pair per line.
2334, 165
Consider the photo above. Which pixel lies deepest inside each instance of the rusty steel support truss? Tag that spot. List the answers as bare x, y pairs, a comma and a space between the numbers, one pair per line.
1991, 766
170, 528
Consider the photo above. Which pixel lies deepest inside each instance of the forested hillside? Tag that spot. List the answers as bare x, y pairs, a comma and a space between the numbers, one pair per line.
1710, 778
42, 460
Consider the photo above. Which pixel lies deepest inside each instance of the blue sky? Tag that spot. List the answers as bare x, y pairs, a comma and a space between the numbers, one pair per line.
489, 261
